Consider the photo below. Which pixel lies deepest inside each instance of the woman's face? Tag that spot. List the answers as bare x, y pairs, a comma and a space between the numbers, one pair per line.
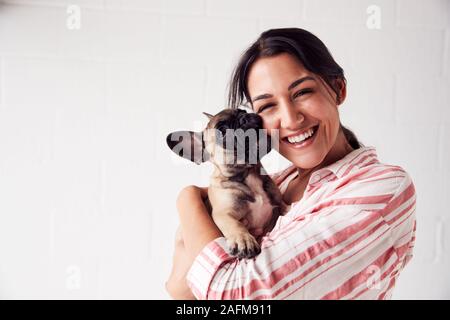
298, 103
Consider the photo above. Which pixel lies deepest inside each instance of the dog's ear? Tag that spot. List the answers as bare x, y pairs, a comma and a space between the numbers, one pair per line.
189, 145
210, 116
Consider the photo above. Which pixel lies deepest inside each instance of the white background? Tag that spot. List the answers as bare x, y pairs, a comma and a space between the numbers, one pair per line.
87, 184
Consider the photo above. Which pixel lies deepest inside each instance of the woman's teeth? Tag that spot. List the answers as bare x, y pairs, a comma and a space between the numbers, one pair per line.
301, 137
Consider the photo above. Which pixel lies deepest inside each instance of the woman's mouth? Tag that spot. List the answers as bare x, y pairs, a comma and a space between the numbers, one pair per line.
302, 140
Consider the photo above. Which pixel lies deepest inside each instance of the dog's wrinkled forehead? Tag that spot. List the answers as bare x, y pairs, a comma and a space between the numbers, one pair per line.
234, 119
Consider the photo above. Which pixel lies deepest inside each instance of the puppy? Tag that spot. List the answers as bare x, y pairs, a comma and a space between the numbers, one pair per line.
243, 200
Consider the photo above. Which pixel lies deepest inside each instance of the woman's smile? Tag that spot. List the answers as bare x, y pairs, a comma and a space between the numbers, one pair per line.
302, 139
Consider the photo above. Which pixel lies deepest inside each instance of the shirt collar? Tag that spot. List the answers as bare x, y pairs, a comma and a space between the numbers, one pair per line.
355, 160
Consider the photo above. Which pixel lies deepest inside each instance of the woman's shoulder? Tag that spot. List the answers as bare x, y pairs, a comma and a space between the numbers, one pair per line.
380, 172
381, 179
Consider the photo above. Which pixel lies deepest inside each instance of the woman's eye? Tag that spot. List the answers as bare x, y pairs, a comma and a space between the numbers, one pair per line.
302, 92
265, 107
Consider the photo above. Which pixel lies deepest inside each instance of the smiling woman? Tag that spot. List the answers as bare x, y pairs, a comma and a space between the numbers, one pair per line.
350, 214
292, 88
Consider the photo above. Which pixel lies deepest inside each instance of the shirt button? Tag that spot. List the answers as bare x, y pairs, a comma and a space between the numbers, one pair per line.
316, 178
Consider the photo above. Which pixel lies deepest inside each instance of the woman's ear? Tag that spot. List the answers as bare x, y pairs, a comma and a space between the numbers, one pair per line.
341, 86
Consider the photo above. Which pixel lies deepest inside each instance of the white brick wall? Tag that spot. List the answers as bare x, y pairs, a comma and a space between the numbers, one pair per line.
86, 210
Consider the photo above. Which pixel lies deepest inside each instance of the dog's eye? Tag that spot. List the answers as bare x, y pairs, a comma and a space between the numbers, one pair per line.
243, 121
250, 122
222, 128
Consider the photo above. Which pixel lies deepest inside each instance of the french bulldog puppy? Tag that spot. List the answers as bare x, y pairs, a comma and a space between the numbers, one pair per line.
243, 200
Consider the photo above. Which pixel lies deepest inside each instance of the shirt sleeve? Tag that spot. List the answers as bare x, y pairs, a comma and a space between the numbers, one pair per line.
346, 247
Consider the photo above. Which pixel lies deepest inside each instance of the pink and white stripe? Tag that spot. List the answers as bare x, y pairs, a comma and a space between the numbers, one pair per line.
349, 237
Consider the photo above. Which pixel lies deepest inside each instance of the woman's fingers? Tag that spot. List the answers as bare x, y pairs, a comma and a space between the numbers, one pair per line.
193, 189
193, 196
187, 194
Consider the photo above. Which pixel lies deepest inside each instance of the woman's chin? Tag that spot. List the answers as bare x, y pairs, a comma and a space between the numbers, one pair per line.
306, 164
307, 160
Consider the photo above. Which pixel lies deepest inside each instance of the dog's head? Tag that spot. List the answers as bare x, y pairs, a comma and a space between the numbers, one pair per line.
232, 137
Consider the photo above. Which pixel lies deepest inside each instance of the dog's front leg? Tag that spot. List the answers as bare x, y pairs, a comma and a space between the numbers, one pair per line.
240, 242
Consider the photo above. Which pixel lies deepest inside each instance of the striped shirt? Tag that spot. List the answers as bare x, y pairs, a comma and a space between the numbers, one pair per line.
349, 237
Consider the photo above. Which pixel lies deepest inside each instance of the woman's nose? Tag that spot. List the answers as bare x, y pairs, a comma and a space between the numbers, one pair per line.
290, 117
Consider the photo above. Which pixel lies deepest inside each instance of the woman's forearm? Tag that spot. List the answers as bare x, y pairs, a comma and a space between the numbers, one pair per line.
176, 285
197, 230
197, 226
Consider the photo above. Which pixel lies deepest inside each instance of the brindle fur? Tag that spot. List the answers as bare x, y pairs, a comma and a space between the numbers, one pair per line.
233, 189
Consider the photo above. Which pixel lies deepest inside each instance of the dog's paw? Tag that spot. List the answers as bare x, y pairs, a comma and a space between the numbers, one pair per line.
243, 245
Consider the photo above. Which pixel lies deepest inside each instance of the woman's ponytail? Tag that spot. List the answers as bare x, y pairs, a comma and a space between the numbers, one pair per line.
351, 138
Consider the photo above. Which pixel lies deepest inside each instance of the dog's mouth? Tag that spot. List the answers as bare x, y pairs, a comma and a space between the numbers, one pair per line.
240, 152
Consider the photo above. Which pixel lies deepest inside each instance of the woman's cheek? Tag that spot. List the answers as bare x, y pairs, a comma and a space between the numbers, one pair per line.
269, 123
324, 111
317, 107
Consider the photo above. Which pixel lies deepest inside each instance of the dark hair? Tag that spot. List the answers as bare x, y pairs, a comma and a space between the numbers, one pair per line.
303, 45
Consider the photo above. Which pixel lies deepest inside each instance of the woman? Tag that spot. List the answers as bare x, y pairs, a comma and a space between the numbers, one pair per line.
351, 226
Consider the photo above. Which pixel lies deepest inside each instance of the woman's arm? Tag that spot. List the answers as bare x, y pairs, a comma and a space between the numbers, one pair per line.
176, 285
197, 226
197, 229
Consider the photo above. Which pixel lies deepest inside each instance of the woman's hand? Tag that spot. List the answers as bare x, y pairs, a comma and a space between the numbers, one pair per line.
191, 195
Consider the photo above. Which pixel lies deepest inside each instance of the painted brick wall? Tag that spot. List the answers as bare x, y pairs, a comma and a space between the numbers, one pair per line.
87, 185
